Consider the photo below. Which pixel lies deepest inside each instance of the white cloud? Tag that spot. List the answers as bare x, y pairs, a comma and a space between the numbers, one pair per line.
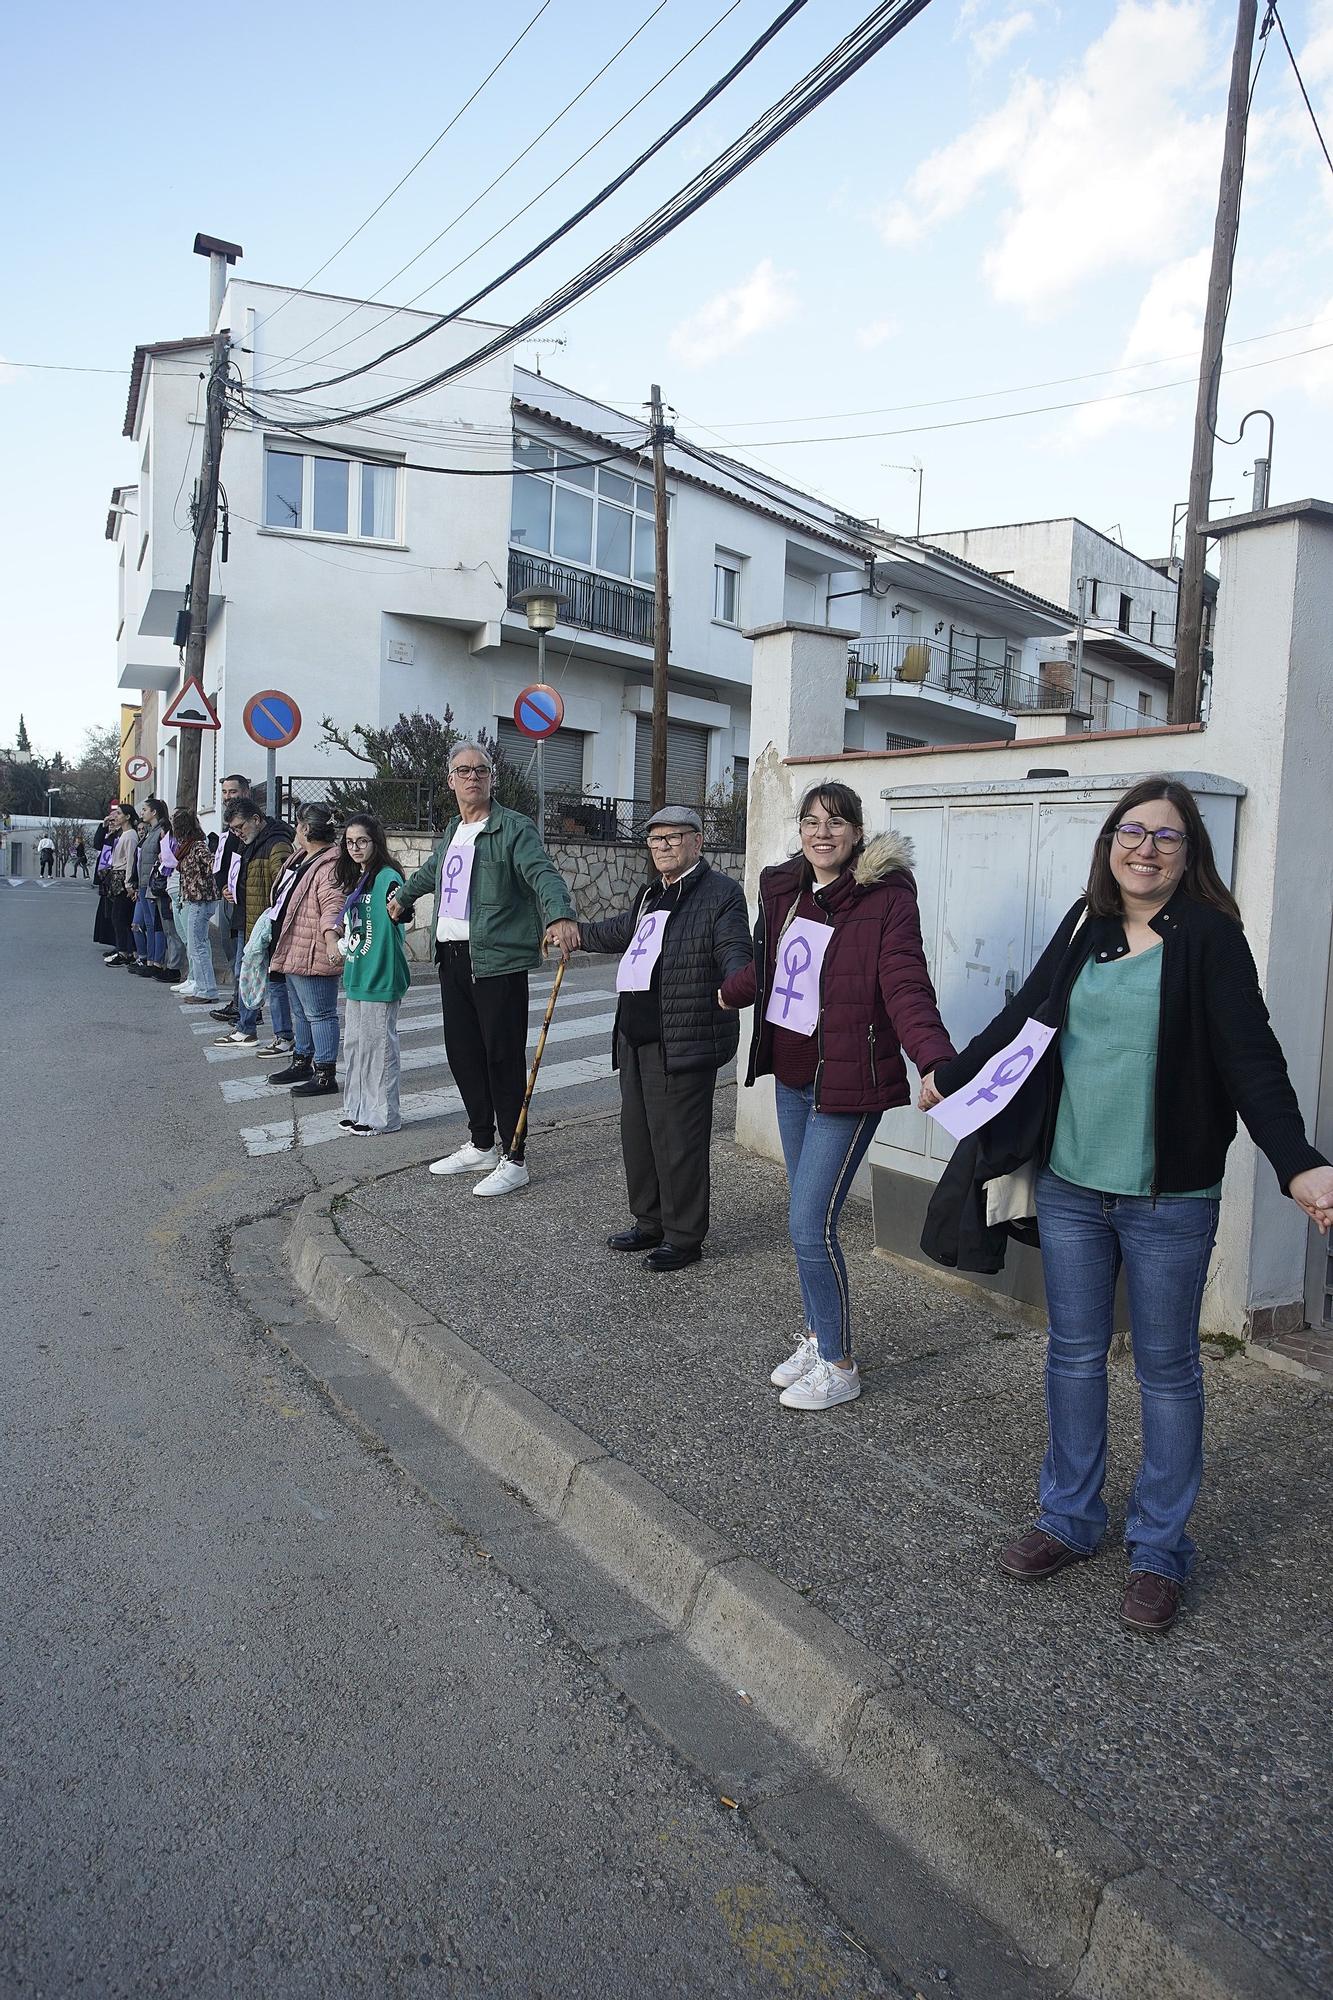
875, 334
727, 321
992, 39
1169, 322
1105, 167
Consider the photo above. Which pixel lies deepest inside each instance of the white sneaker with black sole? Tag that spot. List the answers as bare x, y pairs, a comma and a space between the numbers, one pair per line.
469, 1159
237, 1037
271, 1051
797, 1364
507, 1178
825, 1385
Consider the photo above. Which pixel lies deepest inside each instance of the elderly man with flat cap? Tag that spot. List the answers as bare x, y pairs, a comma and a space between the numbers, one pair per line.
681, 937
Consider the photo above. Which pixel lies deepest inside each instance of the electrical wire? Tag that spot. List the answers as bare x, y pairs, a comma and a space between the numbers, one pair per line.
419, 161
604, 194
491, 185
1273, 15
850, 55
449, 471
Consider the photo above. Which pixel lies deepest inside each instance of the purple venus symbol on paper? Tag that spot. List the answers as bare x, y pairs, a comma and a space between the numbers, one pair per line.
791, 965
643, 938
453, 868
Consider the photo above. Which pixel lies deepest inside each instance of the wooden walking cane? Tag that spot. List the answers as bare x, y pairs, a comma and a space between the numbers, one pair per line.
520, 1130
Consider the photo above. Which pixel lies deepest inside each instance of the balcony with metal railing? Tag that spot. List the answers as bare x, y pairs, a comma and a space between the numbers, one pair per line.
902, 664
593, 603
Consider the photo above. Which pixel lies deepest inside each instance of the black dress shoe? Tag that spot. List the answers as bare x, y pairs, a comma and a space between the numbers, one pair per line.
667, 1257
633, 1239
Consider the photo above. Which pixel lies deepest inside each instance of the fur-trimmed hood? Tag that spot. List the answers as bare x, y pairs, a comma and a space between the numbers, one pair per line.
883, 854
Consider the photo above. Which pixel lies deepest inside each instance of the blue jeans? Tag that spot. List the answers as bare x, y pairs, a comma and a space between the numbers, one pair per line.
147, 929
314, 1004
279, 1008
1164, 1248
196, 917
823, 1151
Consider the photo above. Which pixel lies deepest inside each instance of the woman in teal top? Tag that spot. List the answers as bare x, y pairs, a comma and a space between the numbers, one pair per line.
375, 977
1163, 1037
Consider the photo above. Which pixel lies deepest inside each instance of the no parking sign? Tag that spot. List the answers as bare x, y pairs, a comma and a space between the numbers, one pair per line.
539, 711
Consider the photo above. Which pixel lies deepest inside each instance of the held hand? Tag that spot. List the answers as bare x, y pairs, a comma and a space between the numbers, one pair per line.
1313, 1191
929, 1097
561, 936
722, 1003
395, 908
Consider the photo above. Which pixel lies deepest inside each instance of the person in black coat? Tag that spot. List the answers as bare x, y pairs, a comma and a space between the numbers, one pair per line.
681, 937
1162, 1037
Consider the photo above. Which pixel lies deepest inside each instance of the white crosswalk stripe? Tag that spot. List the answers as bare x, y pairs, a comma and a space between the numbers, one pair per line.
245, 1089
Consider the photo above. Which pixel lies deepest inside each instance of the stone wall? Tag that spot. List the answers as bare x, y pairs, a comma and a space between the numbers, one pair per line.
602, 878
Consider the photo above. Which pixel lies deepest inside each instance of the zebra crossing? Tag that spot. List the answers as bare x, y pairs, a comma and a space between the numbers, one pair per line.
582, 1025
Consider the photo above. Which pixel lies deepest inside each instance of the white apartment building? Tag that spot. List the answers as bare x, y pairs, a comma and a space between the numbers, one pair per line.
366, 568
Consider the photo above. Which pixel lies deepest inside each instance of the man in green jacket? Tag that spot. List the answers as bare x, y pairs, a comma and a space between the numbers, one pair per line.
499, 900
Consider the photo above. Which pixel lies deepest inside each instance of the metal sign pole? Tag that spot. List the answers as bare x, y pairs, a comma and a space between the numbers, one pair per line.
271, 782
541, 744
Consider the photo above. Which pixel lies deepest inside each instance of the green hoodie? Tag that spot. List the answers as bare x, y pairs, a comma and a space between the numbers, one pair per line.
375, 967
516, 891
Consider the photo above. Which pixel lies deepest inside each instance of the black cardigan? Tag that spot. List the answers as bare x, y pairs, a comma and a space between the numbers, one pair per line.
1216, 1053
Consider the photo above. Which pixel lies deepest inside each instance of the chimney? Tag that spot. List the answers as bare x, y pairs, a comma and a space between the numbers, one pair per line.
219, 255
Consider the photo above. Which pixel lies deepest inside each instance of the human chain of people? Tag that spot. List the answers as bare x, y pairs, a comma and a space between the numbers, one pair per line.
1092, 1116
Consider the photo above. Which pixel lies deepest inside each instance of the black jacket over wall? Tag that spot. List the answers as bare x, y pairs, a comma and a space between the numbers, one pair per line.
707, 938
1216, 1052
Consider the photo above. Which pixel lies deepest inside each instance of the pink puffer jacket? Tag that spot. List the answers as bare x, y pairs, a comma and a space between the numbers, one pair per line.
314, 906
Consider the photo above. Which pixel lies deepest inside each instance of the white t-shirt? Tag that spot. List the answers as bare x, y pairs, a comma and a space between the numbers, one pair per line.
457, 930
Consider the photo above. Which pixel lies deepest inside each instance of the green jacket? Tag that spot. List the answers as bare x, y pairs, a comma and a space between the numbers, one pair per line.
375, 967
516, 891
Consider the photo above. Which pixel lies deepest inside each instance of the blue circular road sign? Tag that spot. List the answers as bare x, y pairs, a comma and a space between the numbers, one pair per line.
271, 719
539, 711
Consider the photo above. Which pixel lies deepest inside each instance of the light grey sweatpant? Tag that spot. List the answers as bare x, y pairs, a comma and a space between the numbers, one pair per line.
370, 1064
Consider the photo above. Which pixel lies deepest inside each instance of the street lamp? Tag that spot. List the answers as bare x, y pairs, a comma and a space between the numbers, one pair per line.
541, 607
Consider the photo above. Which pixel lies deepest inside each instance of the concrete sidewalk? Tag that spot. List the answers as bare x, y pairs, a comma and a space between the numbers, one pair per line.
1205, 1753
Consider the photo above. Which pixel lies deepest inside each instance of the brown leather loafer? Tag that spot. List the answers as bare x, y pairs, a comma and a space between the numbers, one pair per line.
1151, 1602
1037, 1555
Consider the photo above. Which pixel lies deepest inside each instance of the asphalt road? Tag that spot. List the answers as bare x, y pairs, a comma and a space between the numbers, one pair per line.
267, 1724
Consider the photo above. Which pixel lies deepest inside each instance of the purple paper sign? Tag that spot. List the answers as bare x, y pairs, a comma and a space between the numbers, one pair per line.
968, 1109
233, 876
456, 882
794, 1001
634, 973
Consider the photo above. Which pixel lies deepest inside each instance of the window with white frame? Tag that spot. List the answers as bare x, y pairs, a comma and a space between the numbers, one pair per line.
727, 587
322, 493
589, 515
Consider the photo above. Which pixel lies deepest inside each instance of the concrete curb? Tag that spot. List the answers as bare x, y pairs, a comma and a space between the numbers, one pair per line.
1072, 1897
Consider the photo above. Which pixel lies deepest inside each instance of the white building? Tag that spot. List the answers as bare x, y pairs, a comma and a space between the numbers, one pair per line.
367, 568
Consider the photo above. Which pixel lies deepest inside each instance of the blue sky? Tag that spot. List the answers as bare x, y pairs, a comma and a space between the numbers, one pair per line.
1015, 191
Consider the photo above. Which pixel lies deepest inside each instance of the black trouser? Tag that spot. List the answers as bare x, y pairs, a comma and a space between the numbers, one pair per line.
666, 1127
48, 863
122, 909
81, 866
486, 1043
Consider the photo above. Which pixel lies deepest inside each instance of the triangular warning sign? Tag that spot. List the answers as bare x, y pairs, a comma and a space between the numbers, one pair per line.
191, 709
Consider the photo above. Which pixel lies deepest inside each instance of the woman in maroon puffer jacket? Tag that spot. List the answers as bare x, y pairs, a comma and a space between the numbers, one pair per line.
839, 987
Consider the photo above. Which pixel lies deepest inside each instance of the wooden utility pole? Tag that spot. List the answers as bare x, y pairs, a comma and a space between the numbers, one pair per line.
661, 608
201, 570
1186, 694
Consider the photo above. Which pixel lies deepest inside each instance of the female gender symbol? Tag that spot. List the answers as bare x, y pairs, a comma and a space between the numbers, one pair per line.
643, 937
791, 965
453, 868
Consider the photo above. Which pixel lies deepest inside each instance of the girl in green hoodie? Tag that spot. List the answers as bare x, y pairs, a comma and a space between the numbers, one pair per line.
375, 977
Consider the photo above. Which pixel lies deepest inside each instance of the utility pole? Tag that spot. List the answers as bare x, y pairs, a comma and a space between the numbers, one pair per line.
1185, 696
661, 608
201, 570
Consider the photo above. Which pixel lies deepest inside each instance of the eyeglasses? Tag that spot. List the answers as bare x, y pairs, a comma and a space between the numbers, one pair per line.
668, 839
358, 840
1165, 839
471, 771
834, 826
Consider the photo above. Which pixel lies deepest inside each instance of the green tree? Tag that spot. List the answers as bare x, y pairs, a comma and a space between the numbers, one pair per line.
95, 778
408, 766
24, 743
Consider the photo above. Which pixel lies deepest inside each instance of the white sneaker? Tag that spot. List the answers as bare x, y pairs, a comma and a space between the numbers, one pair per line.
824, 1386
185, 988
797, 1364
509, 1175
469, 1159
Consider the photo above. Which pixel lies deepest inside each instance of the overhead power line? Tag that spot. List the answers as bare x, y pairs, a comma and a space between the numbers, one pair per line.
564, 111
879, 28
420, 160
1274, 16
603, 195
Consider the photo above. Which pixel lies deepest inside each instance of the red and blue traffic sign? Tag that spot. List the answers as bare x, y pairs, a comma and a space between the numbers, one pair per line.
539, 711
271, 719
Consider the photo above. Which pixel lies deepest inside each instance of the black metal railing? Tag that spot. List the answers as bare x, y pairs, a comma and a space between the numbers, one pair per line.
413, 805
593, 603
416, 805
623, 822
956, 669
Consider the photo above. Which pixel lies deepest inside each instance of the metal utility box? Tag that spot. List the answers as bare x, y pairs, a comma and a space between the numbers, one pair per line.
998, 863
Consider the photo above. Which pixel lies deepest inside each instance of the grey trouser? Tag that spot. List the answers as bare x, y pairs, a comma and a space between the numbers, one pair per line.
370, 1064
666, 1126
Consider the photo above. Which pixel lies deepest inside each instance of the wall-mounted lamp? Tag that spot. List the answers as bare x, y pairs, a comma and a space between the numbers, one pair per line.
899, 607
939, 628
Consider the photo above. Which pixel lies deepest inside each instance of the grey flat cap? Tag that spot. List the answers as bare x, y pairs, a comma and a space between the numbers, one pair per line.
676, 816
